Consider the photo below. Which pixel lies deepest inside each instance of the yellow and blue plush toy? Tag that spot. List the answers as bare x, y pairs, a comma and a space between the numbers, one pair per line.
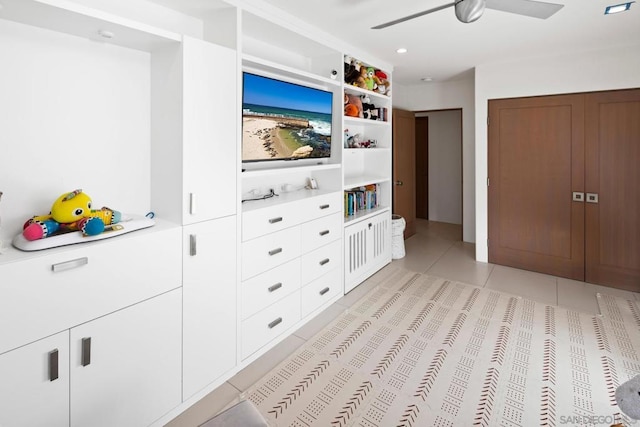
71, 212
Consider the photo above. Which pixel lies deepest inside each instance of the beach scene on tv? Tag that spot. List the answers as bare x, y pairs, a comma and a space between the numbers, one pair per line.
282, 120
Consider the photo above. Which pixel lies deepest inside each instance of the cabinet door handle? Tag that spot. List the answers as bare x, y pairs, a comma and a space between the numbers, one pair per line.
578, 196
192, 203
275, 251
275, 323
324, 206
275, 287
193, 250
324, 261
324, 232
592, 197
53, 365
324, 291
274, 220
86, 351
68, 265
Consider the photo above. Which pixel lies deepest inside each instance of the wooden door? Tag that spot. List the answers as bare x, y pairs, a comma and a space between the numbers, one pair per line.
404, 196
536, 161
422, 167
613, 173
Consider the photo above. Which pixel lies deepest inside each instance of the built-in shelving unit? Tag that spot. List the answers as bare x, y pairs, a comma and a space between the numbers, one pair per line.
155, 104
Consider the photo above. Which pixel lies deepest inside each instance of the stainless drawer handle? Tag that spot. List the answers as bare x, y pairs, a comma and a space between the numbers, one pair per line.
324, 206
275, 287
324, 232
86, 351
53, 365
68, 265
324, 291
324, 261
275, 323
275, 251
274, 220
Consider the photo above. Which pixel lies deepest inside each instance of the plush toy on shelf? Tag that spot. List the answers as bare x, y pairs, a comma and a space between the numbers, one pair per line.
352, 106
369, 81
70, 212
382, 84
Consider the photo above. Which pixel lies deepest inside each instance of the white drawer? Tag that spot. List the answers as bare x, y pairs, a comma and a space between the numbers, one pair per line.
321, 231
266, 325
270, 219
269, 287
325, 204
320, 291
46, 294
320, 261
266, 252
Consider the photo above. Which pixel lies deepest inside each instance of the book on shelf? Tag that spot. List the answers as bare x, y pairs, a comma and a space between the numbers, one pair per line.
360, 199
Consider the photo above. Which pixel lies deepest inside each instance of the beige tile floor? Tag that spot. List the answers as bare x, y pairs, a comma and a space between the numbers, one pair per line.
435, 249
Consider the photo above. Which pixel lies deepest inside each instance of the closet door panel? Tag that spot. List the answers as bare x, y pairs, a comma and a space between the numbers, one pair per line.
536, 162
613, 173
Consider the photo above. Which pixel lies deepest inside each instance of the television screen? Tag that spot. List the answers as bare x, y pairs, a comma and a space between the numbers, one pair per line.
284, 121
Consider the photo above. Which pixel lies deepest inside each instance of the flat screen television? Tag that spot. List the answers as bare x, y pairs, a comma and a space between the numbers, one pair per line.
283, 120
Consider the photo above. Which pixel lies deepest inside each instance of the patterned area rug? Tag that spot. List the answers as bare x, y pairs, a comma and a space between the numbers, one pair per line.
424, 351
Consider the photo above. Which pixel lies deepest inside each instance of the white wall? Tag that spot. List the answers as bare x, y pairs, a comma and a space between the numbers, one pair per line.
614, 68
445, 165
74, 114
442, 96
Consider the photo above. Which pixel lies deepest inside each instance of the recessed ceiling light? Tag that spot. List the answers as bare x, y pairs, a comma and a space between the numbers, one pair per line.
618, 8
426, 79
402, 50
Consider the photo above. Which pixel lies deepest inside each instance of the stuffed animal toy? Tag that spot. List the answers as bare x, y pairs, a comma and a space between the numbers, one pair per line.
367, 107
383, 85
628, 397
369, 83
351, 73
353, 106
70, 212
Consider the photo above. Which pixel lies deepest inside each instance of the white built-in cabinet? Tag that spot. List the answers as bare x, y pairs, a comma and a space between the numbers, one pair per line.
209, 293
133, 330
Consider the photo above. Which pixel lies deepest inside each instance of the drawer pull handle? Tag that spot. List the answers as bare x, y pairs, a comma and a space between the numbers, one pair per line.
275, 323
275, 287
53, 365
324, 206
324, 232
275, 251
324, 291
86, 351
274, 220
68, 265
324, 261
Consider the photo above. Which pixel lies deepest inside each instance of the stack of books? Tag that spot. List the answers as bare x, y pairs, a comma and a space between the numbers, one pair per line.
360, 199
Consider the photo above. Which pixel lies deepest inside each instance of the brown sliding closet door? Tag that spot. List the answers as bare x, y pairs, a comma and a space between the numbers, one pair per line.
613, 173
536, 162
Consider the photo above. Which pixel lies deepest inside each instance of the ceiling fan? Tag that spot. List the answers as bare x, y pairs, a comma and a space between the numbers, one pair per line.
470, 10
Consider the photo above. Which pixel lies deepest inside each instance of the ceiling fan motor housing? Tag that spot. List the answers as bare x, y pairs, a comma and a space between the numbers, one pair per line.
469, 10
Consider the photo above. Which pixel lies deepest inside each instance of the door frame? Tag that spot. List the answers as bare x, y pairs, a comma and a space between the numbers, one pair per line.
416, 113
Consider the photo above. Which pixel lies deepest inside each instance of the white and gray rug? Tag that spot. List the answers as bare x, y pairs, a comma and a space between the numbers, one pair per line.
424, 351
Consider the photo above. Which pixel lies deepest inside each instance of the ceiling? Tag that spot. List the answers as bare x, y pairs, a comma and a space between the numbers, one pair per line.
444, 49
441, 47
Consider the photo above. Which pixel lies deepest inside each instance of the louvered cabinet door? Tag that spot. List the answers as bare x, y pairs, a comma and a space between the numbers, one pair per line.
367, 248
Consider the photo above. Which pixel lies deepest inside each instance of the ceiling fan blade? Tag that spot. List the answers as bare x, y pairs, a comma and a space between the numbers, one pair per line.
534, 9
407, 18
